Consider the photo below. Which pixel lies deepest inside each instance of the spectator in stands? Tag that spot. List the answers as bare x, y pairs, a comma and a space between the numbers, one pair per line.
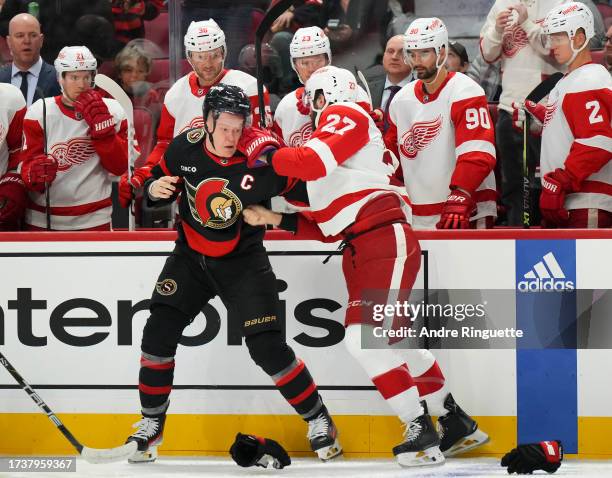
129, 17
512, 35
272, 69
344, 21
28, 71
487, 75
69, 22
302, 13
395, 74
232, 16
402, 15
133, 66
608, 51
457, 57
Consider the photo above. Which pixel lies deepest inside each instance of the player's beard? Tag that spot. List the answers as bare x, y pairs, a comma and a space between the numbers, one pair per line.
427, 75
208, 77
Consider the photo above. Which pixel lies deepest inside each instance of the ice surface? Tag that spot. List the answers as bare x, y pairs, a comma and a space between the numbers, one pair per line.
189, 467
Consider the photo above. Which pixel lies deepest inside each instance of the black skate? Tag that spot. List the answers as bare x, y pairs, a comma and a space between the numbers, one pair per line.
148, 436
458, 431
323, 436
420, 447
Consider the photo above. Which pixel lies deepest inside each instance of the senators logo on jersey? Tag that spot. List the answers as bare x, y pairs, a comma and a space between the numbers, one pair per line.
419, 137
72, 153
212, 204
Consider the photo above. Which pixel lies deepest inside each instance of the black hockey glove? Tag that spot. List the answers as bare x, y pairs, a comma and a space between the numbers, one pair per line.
525, 459
249, 450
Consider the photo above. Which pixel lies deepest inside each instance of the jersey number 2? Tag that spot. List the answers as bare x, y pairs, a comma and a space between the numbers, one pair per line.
333, 120
594, 117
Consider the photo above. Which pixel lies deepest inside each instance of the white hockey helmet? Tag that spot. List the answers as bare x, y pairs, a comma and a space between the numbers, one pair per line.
205, 35
426, 33
309, 41
75, 58
569, 18
336, 85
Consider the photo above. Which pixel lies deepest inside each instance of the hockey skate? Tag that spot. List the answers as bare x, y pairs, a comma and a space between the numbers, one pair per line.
458, 431
323, 436
420, 447
148, 436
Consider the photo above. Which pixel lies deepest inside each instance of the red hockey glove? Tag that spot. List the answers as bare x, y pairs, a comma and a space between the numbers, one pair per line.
37, 171
126, 188
525, 459
555, 185
13, 198
256, 142
378, 116
457, 210
302, 105
95, 113
536, 110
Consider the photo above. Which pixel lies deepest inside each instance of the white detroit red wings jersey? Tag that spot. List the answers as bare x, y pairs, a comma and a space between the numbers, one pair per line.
577, 135
294, 127
343, 164
12, 111
182, 109
519, 49
443, 139
80, 195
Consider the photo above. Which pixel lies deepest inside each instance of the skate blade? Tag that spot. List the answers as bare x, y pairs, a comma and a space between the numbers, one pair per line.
467, 443
429, 457
329, 452
148, 456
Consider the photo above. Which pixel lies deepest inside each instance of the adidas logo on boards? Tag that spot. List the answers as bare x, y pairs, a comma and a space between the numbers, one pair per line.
546, 275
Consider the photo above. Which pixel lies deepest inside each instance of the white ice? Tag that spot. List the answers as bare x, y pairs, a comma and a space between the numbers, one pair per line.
311, 468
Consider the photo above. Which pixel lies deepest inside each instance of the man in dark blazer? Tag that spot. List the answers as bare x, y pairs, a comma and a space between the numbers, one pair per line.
28, 71
390, 77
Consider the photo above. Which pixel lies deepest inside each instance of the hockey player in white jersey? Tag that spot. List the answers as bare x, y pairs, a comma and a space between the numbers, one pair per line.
577, 135
441, 129
12, 190
310, 50
206, 50
351, 197
72, 146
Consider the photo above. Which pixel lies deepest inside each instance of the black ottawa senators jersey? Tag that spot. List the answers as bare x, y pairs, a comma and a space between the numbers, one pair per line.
214, 192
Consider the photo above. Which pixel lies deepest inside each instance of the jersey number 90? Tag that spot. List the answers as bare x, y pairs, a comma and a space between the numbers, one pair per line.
477, 117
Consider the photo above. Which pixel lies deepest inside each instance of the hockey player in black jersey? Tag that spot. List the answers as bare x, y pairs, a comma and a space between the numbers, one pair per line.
216, 253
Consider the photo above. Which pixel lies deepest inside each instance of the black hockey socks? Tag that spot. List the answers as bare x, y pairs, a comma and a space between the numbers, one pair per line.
155, 383
290, 374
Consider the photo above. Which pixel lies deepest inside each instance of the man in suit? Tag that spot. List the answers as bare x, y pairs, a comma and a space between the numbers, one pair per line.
28, 71
394, 75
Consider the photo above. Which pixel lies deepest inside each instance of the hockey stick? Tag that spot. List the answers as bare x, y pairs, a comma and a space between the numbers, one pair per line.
92, 455
47, 184
266, 22
367, 87
537, 95
113, 89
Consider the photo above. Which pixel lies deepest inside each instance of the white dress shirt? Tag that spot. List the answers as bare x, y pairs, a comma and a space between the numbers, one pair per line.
34, 71
388, 83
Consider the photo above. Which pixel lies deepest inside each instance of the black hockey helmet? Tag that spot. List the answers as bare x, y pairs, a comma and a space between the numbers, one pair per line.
224, 98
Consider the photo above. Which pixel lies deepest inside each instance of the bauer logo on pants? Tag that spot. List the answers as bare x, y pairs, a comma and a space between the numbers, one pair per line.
166, 287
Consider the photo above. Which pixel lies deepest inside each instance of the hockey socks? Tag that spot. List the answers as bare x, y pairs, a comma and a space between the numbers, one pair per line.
295, 383
155, 383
